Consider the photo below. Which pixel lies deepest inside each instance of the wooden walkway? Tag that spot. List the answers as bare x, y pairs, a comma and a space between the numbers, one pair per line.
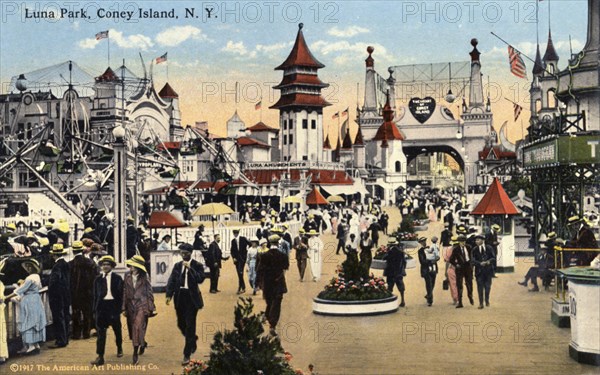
513, 336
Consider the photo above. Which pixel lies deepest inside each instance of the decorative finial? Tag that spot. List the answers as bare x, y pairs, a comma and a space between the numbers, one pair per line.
300, 25
370, 49
474, 42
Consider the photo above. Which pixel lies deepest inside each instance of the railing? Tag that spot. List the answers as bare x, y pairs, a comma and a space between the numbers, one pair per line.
560, 286
11, 311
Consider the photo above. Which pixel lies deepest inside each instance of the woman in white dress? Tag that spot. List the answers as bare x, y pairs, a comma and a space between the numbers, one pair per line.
315, 254
32, 317
327, 220
251, 262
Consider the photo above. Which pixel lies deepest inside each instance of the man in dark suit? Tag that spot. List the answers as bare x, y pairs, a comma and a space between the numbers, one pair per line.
492, 240
341, 236
132, 238
395, 268
461, 260
59, 295
483, 261
239, 253
183, 287
83, 273
270, 275
108, 303
445, 236
429, 268
213, 261
545, 262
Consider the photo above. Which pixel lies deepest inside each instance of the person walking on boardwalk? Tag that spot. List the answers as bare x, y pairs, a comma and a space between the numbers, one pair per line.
315, 254
239, 253
59, 296
428, 257
108, 302
395, 268
251, 260
483, 261
461, 260
183, 288
301, 247
492, 240
83, 273
213, 261
138, 304
450, 270
31, 321
271, 278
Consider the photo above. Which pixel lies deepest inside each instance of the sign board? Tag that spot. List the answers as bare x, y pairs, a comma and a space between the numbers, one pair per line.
422, 109
564, 150
304, 164
162, 263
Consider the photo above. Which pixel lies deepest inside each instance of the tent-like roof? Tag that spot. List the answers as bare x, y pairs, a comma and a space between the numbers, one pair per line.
300, 54
495, 202
164, 219
168, 92
315, 197
262, 127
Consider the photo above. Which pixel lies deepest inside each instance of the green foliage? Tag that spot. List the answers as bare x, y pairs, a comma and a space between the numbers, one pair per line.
517, 183
246, 349
406, 226
419, 214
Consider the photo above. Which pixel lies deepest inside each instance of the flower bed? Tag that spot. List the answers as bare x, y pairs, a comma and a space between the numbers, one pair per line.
355, 308
339, 289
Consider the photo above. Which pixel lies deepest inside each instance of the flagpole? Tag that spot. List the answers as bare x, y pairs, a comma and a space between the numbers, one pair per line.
508, 44
108, 37
167, 70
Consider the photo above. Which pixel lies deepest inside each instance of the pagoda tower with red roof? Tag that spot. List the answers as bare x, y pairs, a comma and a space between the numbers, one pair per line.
170, 97
301, 104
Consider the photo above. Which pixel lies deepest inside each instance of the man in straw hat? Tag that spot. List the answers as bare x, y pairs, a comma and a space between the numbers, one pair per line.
315, 254
483, 260
83, 273
461, 260
270, 276
213, 262
301, 247
59, 295
395, 267
183, 287
138, 303
108, 302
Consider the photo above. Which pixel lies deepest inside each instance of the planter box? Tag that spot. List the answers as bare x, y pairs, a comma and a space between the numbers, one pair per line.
355, 308
409, 244
379, 264
420, 228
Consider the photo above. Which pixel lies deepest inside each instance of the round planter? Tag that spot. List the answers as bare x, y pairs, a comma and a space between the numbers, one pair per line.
420, 228
355, 308
409, 244
378, 264
411, 263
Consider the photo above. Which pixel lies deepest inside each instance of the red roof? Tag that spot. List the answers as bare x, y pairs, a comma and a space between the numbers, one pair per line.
168, 92
318, 176
359, 138
495, 202
301, 79
388, 131
247, 141
300, 54
168, 146
262, 127
300, 99
327, 144
107, 76
498, 152
347, 144
164, 219
315, 197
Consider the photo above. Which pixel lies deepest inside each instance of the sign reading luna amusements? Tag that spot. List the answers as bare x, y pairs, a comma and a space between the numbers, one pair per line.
581, 149
422, 109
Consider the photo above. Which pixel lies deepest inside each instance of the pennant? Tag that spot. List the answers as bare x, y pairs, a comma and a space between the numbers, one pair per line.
162, 58
102, 35
517, 110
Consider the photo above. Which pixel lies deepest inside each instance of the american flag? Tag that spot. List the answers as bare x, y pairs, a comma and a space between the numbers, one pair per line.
102, 35
335, 115
517, 65
162, 58
517, 110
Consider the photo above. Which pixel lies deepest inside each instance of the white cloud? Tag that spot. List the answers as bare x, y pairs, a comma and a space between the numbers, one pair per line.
237, 48
176, 35
240, 49
348, 32
345, 52
272, 48
137, 41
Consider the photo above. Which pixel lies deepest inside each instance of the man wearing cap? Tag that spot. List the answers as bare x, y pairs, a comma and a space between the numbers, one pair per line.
83, 273
483, 260
59, 296
213, 262
183, 288
545, 262
461, 260
395, 267
270, 276
108, 303
428, 258
239, 253
315, 254
492, 240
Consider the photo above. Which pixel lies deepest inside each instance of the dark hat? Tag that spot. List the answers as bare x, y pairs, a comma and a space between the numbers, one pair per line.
186, 247
479, 237
236, 230
461, 238
472, 230
423, 239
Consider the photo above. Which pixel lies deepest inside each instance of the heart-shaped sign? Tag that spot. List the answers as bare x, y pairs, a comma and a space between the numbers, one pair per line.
422, 109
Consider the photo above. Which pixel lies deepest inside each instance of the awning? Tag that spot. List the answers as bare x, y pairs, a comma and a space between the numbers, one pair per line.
356, 187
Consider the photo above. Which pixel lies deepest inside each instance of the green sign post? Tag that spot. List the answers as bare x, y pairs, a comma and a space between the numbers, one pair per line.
561, 150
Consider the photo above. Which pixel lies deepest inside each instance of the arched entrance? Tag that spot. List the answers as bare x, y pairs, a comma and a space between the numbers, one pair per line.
437, 166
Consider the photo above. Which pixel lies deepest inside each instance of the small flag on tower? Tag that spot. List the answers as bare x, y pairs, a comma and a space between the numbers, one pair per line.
162, 58
258, 105
335, 115
517, 110
102, 35
517, 65
345, 113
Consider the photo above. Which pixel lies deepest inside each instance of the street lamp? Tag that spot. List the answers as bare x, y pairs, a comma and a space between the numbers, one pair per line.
120, 189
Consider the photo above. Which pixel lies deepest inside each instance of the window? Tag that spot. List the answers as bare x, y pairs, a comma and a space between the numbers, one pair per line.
291, 138
291, 124
551, 99
313, 124
304, 124
305, 157
398, 167
285, 139
284, 124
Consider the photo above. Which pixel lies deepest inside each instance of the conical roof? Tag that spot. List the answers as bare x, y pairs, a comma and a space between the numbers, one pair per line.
300, 54
388, 131
495, 202
315, 197
358, 140
538, 66
550, 54
107, 76
168, 92
327, 144
347, 144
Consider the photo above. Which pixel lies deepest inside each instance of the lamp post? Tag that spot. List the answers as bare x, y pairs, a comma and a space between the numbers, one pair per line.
120, 190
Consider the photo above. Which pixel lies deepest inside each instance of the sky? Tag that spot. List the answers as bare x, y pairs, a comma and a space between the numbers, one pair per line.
244, 41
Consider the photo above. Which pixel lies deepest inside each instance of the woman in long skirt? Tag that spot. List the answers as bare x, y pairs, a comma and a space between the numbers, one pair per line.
315, 254
138, 304
251, 262
366, 246
32, 317
450, 273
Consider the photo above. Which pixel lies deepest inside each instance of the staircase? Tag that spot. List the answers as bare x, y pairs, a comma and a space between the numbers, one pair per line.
48, 202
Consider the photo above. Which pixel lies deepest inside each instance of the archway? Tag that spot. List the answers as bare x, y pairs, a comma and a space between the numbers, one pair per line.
437, 166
